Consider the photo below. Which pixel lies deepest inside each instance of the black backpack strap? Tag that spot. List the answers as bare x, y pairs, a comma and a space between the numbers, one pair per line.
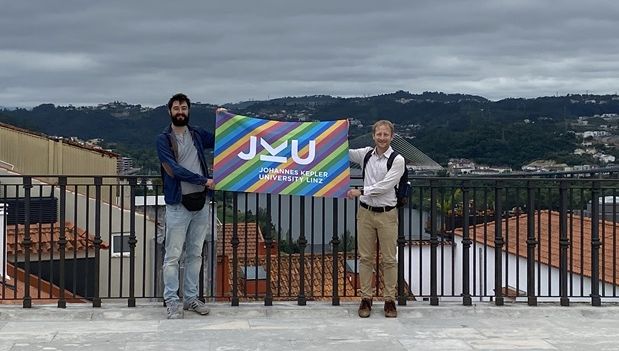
392, 157
366, 158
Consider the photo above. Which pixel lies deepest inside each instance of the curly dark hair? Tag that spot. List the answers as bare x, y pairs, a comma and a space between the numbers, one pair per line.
180, 97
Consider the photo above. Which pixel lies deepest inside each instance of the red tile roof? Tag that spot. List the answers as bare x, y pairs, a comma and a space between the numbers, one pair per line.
286, 277
515, 236
45, 239
318, 268
251, 241
41, 291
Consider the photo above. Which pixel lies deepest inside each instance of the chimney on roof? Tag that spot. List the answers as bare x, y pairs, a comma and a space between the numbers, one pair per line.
3, 261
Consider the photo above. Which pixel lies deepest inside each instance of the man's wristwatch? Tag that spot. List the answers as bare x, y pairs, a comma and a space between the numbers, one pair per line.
361, 191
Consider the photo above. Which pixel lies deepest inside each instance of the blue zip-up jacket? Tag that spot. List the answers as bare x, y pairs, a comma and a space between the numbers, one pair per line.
171, 172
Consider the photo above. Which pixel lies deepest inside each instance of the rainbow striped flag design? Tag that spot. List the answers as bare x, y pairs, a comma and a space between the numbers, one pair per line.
292, 158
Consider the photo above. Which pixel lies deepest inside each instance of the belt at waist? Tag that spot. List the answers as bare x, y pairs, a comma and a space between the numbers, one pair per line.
377, 209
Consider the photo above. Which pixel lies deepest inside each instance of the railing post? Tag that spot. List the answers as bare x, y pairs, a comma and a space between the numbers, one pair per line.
563, 243
62, 240
132, 242
466, 247
401, 242
302, 243
433, 245
268, 299
498, 245
27, 303
96, 301
235, 248
595, 244
335, 243
531, 244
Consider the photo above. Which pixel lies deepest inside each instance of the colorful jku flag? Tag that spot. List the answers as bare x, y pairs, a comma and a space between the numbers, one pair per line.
293, 158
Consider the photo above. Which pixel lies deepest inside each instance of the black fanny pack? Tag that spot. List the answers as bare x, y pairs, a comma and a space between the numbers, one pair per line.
194, 201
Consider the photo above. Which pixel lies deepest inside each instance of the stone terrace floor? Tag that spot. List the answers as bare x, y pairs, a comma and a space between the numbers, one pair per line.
318, 326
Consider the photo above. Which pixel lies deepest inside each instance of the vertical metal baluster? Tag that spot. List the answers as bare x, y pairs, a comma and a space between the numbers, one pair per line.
144, 238
433, 244
571, 229
132, 242
235, 246
302, 243
86, 238
268, 299
498, 245
121, 259
595, 245
531, 243
614, 241
466, 246
421, 240
291, 246
27, 303
96, 301
582, 244
549, 221
505, 252
401, 241
335, 243
313, 244
602, 237
486, 207
563, 243
279, 241
62, 240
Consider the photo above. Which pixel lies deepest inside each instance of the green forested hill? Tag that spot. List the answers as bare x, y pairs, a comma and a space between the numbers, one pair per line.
445, 125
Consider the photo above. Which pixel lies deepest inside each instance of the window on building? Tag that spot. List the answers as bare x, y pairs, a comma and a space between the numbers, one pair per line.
120, 245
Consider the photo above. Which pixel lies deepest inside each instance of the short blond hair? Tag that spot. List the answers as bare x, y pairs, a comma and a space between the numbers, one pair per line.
383, 122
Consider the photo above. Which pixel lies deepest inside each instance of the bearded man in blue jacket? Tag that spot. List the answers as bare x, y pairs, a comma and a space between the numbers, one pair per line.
180, 148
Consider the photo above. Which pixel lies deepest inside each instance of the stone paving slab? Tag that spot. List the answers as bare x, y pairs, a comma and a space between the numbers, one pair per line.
317, 326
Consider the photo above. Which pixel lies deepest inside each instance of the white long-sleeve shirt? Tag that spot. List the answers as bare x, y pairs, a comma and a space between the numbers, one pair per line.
378, 184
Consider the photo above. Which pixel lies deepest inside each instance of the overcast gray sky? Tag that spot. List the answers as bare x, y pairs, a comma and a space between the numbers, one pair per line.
90, 52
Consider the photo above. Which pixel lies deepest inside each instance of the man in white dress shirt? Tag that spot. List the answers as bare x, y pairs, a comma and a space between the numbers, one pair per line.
377, 218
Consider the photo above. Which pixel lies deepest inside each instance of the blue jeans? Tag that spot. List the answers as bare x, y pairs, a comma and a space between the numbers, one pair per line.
188, 228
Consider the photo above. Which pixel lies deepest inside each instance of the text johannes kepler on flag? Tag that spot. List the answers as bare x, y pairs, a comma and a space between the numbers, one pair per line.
295, 158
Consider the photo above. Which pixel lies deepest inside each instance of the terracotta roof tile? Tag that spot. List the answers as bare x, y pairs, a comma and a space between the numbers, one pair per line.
41, 291
579, 251
251, 241
286, 277
46, 236
285, 269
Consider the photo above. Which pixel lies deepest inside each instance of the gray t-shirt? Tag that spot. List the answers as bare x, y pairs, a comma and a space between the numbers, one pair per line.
188, 158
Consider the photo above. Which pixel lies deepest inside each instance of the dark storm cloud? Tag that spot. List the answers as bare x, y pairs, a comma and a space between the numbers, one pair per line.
142, 51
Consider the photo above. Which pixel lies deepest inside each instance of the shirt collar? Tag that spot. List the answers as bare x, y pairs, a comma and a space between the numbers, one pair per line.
386, 154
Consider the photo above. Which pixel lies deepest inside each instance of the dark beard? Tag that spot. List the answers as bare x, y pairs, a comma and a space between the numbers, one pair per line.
180, 122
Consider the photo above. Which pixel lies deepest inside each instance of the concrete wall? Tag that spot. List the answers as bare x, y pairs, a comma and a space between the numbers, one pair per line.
31, 153
28, 153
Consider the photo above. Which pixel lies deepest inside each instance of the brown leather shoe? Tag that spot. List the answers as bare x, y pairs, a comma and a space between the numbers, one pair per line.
390, 311
365, 308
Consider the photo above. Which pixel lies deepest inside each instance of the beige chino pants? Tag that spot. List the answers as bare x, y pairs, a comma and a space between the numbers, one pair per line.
381, 227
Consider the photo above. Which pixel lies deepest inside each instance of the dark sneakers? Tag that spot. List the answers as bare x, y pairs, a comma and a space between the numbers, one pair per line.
365, 308
390, 311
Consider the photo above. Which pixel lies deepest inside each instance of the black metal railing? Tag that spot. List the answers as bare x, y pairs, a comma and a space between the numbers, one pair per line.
460, 238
